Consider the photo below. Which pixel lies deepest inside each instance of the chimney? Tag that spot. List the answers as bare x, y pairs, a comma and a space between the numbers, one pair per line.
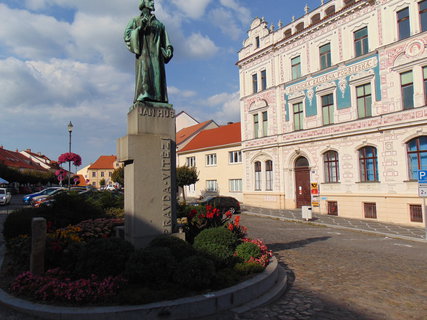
231, 122
28, 150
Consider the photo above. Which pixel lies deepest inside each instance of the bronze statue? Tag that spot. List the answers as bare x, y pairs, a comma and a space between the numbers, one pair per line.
146, 37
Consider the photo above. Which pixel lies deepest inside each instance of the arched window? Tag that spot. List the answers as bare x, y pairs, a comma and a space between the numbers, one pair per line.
269, 175
301, 162
299, 26
315, 19
368, 163
288, 33
331, 165
330, 11
348, 2
417, 156
257, 175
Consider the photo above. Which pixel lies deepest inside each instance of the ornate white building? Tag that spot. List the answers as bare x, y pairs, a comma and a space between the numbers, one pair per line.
337, 98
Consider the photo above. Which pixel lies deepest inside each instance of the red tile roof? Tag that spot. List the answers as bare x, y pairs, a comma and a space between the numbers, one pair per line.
103, 162
82, 181
17, 160
225, 135
185, 133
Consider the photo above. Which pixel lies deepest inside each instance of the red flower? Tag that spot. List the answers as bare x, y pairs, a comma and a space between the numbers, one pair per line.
228, 214
230, 226
70, 157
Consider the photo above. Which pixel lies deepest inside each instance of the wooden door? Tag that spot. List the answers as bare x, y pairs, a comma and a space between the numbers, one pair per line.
302, 187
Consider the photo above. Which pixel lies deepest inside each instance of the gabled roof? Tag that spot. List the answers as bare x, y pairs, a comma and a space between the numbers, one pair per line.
103, 162
188, 132
17, 160
222, 136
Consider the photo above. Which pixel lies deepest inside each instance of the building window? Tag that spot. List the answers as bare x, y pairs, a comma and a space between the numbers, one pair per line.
417, 156
256, 126
257, 42
190, 161
403, 23
370, 210
325, 56
425, 84
331, 165
328, 109
94, 184
296, 67
269, 175
235, 156
102, 173
254, 83
416, 213
235, 185
211, 159
332, 208
263, 80
368, 164
407, 84
361, 45
364, 101
264, 124
298, 116
423, 14
211, 185
257, 175
94, 174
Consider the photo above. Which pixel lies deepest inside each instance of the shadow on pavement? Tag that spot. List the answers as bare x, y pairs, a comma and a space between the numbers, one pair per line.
295, 244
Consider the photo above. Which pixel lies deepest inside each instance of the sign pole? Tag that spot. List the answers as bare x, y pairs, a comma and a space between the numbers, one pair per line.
425, 216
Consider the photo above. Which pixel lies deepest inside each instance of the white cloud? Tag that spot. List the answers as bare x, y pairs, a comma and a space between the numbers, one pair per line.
199, 46
225, 21
230, 108
184, 93
194, 9
243, 13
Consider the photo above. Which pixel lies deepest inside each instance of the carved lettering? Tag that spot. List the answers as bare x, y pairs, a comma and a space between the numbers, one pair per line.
165, 162
157, 112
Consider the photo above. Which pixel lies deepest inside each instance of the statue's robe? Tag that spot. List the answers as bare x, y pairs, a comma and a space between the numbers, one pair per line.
150, 44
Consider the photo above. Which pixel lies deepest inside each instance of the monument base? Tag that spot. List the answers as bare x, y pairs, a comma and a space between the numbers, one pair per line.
149, 155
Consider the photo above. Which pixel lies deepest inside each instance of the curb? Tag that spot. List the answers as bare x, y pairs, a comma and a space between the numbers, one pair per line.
390, 235
249, 294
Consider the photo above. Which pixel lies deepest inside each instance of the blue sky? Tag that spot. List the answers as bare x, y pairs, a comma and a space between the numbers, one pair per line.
63, 60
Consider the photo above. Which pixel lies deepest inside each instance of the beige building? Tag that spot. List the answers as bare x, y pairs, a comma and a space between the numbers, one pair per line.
216, 153
333, 110
101, 169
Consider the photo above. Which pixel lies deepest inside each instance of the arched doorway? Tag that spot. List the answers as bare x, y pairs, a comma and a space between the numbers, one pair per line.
302, 182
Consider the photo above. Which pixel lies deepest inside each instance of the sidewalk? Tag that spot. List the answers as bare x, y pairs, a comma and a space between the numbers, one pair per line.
370, 226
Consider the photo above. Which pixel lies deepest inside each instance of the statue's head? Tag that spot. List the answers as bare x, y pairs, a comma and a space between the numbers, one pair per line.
149, 4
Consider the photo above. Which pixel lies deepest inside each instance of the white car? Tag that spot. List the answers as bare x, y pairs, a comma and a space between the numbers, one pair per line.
5, 196
110, 187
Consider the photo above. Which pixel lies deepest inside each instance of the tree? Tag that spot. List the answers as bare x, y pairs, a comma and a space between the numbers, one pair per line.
102, 182
118, 176
186, 176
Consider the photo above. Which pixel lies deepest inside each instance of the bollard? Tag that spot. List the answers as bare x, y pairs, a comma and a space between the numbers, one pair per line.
38, 245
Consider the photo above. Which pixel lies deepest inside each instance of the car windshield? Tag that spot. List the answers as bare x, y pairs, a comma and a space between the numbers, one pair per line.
2, 192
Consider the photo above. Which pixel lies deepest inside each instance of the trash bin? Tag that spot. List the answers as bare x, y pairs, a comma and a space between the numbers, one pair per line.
307, 213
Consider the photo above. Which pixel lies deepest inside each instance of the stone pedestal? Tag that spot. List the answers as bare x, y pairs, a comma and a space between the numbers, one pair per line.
149, 155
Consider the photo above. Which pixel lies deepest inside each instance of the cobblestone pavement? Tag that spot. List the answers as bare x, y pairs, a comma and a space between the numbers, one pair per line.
371, 226
334, 275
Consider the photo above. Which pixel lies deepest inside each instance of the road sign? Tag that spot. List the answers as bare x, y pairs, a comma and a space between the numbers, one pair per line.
422, 176
422, 189
314, 188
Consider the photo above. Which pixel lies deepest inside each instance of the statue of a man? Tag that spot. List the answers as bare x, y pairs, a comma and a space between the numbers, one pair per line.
146, 37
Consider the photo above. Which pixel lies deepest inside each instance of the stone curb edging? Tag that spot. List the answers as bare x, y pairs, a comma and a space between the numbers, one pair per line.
390, 235
184, 308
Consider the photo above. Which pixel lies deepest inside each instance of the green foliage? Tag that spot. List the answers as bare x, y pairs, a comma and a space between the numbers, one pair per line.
248, 268
179, 248
186, 176
195, 272
106, 199
103, 257
220, 254
115, 212
219, 235
225, 278
152, 266
19, 249
26, 176
102, 182
247, 250
118, 176
19, 222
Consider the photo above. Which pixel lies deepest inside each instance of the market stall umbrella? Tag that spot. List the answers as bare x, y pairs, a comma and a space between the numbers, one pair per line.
3, 181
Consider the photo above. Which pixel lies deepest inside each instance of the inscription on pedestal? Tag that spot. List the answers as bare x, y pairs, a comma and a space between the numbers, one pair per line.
167, 187
157, 112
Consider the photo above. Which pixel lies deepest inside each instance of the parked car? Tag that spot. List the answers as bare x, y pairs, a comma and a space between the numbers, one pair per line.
27, 199
222, 203
38, 199
110, 187
5, 196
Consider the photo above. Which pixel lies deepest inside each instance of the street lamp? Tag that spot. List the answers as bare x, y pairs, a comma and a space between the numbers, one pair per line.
70, 129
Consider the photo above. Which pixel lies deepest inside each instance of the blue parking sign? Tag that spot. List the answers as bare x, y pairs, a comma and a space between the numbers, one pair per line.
422, 176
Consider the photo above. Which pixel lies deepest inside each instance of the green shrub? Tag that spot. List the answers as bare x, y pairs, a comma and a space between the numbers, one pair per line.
103, 257
248, 268
218, 253
179, 248
219, 235
195, 272
115, 212
19, 223
225, 278
247, 250
152, 266
19, 249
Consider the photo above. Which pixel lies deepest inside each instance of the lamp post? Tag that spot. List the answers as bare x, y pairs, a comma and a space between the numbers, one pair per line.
70, 129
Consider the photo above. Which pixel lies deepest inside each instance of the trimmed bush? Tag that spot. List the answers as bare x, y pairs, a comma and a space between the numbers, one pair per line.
152, 266
219, 236
248, 268
19, 223
103, 257
225, 278
195, 272
248, 250
179, 248
220, 254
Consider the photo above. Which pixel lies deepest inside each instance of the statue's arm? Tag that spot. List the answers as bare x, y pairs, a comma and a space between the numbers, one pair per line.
167, 49
131, 37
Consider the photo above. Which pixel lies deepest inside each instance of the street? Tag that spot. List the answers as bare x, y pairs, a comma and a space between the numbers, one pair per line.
335, 274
